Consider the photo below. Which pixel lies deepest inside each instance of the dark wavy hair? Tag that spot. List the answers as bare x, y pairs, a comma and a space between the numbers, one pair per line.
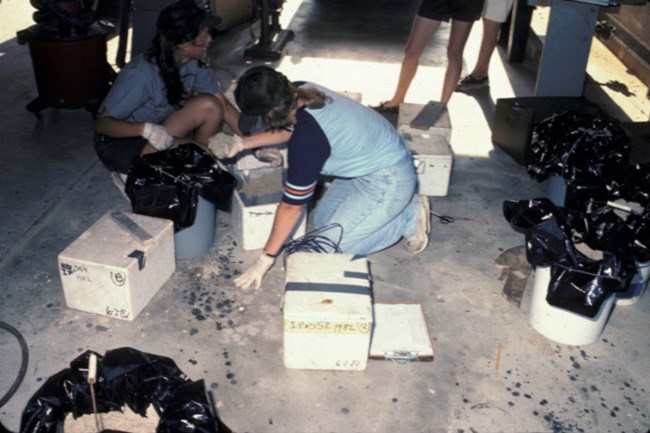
161, 52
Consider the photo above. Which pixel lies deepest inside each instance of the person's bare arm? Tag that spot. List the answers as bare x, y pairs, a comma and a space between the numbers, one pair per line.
108, 125
286, 218
266, 138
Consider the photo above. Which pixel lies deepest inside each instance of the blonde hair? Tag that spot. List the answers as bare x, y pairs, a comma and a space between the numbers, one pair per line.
278, 117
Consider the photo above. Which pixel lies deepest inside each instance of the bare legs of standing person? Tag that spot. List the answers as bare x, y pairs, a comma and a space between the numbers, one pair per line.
488, 44
422, 31
457, 40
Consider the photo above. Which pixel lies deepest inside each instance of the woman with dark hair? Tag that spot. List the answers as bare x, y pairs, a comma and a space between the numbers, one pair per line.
159, 98
372, 196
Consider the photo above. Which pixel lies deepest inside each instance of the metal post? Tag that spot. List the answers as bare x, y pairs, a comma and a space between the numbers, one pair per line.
569, 34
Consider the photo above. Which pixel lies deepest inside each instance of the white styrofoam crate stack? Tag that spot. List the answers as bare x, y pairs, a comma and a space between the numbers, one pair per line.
248, 161
430, 148
441, 126
432, 158
327, 311
109, 271
254, 206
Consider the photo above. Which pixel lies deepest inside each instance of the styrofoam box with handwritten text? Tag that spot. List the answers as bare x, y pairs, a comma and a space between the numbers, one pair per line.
433, 160
109, 271
254, 206
327, 311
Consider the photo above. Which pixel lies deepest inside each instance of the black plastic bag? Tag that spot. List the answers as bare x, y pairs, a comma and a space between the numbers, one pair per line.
548, 230
548, 243
583, 288
577, 147
640, 243
578, 284
167, 184
525, 214
125, 376
629, 182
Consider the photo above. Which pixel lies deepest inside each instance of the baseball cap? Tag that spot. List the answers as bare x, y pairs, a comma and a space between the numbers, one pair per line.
260, 89
181, 21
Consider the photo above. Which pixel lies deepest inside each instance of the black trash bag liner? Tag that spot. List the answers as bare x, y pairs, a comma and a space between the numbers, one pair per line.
582, 289
629, 182
547, 146
185, 406
548, 243
548, 230
639, 226
572, 145
167, 184
553, 231
598, 181
154, 198
578, 283
63, 393
125, 376
525, 214
606, 231
138, 379
636, 185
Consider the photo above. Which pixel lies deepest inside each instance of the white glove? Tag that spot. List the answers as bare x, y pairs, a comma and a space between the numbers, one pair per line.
157, 136
225, 145
270, 155
255, 272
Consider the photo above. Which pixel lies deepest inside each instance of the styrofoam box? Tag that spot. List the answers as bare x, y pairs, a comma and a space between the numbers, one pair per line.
327, 312
442, 125
355, 96
101, 273
433, 160
247, 161
254, 206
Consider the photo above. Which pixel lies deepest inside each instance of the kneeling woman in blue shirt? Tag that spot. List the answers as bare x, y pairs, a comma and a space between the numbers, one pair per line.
373, 196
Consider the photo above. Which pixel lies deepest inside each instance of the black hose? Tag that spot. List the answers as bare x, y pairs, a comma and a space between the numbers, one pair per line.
23, 364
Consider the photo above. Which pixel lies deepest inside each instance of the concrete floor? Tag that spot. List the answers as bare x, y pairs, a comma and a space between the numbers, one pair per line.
492, 371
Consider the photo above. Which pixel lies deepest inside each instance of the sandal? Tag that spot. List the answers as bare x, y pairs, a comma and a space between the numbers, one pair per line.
381, 108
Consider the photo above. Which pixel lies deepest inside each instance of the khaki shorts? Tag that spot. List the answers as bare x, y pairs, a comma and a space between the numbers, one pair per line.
497, 10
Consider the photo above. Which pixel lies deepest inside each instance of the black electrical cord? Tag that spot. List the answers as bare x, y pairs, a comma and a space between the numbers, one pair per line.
315, 242
23, 364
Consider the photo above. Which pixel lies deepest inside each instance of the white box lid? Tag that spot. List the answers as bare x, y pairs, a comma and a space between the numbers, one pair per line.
422, 142
327, 286
400, 333
109, 243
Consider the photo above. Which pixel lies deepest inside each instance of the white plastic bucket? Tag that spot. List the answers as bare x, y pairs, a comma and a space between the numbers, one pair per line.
638, 285
561, 325
198, 238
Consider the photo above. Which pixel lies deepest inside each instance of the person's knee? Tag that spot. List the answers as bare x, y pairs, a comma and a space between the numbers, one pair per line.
209, 105
454, 54
412, 53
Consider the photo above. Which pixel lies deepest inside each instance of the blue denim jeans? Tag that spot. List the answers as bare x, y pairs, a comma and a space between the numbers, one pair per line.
375, 210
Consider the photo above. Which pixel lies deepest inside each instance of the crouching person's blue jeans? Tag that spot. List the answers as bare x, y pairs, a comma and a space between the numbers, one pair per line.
375, 210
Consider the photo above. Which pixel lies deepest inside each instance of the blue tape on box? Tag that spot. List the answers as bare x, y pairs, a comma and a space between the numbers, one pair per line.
324, 287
